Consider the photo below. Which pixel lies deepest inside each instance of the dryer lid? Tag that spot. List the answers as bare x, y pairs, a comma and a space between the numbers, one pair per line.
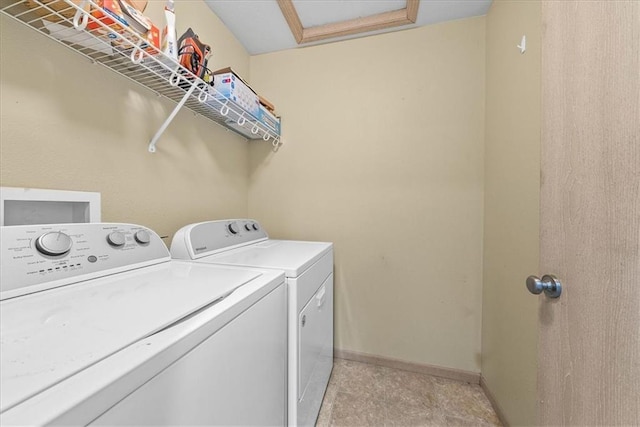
49, 336
292, 256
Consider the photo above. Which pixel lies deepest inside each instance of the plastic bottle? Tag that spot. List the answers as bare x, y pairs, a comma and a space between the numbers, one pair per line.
169, 37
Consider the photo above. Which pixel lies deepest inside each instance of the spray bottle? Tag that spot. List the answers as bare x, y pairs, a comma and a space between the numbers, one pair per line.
169, 37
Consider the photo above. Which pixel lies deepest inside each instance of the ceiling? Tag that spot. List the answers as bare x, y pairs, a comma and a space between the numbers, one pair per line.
260, 25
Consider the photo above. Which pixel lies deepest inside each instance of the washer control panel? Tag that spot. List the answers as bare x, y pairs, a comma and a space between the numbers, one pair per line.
38, 257
207, 238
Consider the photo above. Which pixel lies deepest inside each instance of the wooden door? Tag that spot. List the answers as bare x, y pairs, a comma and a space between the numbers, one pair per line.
589, 352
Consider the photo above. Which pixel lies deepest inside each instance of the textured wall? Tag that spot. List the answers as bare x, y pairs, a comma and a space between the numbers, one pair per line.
383, 155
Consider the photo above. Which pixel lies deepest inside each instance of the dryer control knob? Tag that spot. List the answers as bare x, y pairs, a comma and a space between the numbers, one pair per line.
248, 227
256, 226
116, 238
233, 228
142, 236
54, 243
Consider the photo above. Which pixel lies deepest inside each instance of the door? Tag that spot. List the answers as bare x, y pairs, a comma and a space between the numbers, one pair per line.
589, 352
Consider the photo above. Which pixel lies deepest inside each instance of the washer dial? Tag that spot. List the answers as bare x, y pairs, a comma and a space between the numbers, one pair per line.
116, 238
233, 228
142, 236
54, 243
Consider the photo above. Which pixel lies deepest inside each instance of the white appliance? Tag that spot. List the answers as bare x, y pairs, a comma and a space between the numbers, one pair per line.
308, 267
100, 326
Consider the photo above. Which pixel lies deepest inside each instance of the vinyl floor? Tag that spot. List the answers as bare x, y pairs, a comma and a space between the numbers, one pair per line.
361, 394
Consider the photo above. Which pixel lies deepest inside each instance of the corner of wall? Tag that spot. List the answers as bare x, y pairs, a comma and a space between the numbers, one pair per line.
511, 208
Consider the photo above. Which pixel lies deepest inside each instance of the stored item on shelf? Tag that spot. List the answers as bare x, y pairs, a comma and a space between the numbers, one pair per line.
143, 25
141, 5
119, 29
269, 119
230, 86
111, 15
153, 40
193, 54
169, 36
151, 43
268, 105
135, 18
49, 8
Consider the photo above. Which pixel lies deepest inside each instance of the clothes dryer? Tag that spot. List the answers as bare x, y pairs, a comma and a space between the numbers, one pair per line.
100, 326
308, 267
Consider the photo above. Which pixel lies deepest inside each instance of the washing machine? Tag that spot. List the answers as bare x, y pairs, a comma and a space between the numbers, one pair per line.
308, 268
99, 326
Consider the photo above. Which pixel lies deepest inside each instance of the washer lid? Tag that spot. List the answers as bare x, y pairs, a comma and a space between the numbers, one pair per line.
49, 336
292, 256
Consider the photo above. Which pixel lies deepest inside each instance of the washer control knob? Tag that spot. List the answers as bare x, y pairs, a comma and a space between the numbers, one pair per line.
142, 236
248, 227
233, 228
54, 243
256, 226
116, 238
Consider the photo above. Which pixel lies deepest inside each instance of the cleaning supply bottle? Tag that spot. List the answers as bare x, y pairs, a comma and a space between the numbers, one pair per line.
169, 36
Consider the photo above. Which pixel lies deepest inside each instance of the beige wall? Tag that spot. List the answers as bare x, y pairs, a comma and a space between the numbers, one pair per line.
512, 171
383, 156
68, 124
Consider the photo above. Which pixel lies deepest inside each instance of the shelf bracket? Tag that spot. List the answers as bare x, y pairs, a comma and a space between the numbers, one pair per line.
165, 125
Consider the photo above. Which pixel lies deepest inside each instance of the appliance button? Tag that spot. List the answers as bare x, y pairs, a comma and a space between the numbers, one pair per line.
116, 238
54, 243
92, 258
143, 237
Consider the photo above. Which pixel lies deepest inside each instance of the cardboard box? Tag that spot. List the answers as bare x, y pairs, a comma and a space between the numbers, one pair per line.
153, 39
269, 119
113, 17
231, 86
60, 6
118, 22
135, 18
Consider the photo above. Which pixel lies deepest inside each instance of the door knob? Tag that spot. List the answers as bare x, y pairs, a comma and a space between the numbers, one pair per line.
549, 283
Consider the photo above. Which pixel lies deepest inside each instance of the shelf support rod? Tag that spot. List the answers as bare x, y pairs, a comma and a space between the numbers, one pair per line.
165, 125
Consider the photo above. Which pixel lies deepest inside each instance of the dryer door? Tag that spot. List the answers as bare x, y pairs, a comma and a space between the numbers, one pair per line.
315, 341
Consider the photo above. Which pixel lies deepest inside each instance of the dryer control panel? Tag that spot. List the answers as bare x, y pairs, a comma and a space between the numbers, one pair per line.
39, 257
207, 238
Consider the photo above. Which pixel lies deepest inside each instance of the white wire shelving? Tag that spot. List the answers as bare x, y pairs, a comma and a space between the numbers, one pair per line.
127, 53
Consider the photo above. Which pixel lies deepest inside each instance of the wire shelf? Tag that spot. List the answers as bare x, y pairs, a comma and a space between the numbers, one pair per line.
127, 53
